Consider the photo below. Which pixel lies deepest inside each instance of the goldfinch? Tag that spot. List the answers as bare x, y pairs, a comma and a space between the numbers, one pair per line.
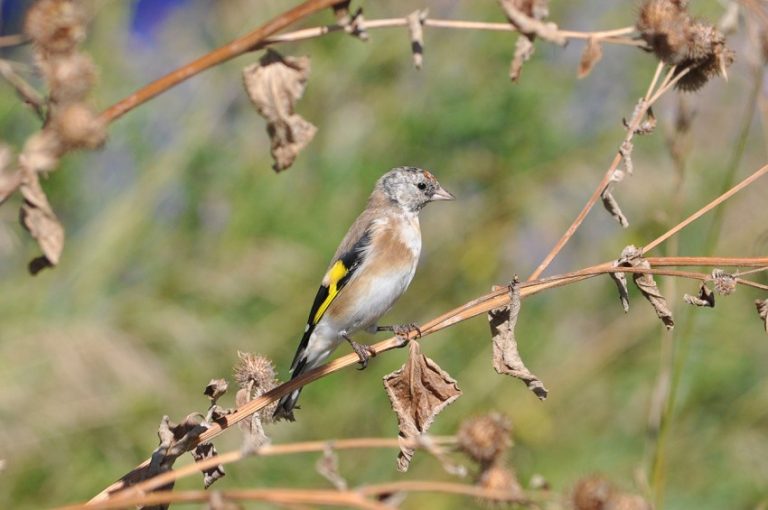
371, 269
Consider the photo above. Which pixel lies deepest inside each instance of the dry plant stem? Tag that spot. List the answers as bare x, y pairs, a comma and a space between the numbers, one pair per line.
352, 498
27, 92
12, 40
271, 450
638, 118
233, 49
701, 212
606, 36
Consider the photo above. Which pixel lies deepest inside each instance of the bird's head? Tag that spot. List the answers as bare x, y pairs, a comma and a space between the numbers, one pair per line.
412, 188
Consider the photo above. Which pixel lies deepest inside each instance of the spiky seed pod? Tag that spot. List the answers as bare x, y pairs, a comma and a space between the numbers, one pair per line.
255, 374
79, 126
498, 477
663, 24
56, 26
592, 493
485, 438
701, 72
69, 77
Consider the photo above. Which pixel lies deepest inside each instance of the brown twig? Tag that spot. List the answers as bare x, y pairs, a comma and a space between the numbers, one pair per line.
634, 124
26, 92
228, 51
701, 212
273, 450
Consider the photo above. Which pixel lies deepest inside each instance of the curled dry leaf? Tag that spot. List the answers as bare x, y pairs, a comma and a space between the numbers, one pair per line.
415, 29
631, 257
328, 467
353, 24
647, 125
523, 52
506, 358
705, 297
612, 206
527, 17
215, 389
592, 54
38, 218
274, 85
205, 451
626, 155
620, 279
762, 311
418, 391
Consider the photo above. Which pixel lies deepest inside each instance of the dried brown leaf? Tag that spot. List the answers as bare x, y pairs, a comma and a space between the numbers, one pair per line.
523, 51
620, 279
38, 218
418, 391
592, 54
613, 208
506, 358
274, 85
415, 29
205, 451
328, 467
631, 257
215, 389
762, 311
705, 297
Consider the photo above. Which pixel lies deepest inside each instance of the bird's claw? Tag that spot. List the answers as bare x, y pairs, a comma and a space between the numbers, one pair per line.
364, 353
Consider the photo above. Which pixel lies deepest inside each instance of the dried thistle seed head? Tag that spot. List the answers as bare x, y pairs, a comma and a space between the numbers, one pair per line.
725, 283
255, 371
485, 438
592, 493
498, 477
56, 26
79, 126
663, 24
69, 77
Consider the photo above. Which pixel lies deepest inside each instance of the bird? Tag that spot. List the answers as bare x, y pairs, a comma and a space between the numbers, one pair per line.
372, 267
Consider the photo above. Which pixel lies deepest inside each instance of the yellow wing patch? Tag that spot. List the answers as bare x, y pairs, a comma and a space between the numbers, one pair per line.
336, 273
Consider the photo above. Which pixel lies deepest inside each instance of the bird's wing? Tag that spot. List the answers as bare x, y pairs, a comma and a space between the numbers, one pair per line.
348, 258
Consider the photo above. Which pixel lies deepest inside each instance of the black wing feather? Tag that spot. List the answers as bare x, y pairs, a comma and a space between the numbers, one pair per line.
352, 259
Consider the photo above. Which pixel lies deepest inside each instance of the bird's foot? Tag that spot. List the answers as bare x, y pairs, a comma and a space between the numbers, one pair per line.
402, 332
364, 352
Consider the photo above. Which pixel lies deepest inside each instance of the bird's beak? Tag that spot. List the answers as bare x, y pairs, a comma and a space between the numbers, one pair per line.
441, 194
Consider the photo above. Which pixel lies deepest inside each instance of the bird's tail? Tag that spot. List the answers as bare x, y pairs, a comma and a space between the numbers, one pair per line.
305, 359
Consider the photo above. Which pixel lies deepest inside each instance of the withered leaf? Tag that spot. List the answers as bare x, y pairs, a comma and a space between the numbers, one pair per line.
274, 85
631, 257
620, 279
415, 30
523, 51
592, 54
626, 153
705, 297
38, 218
612, 206
762, 311
215, 389
645, 127
418, 391
530, 23
506, 358
204, 451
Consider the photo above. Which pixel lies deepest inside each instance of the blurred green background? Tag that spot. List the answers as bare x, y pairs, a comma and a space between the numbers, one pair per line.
184, 247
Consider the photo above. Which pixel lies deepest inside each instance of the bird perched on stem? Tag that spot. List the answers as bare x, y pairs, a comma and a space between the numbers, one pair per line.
370, 270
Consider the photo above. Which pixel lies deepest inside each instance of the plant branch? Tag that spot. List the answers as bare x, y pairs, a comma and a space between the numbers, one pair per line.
26, 92
222, 54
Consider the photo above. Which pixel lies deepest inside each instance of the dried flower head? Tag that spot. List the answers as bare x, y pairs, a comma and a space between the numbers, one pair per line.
663, 25
56, 26
498, 477
592, 493
69, 77
485, 438
41, 151
256, 370
725, 283
79, 126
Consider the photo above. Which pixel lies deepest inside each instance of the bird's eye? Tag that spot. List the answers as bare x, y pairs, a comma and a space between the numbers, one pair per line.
421, 186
